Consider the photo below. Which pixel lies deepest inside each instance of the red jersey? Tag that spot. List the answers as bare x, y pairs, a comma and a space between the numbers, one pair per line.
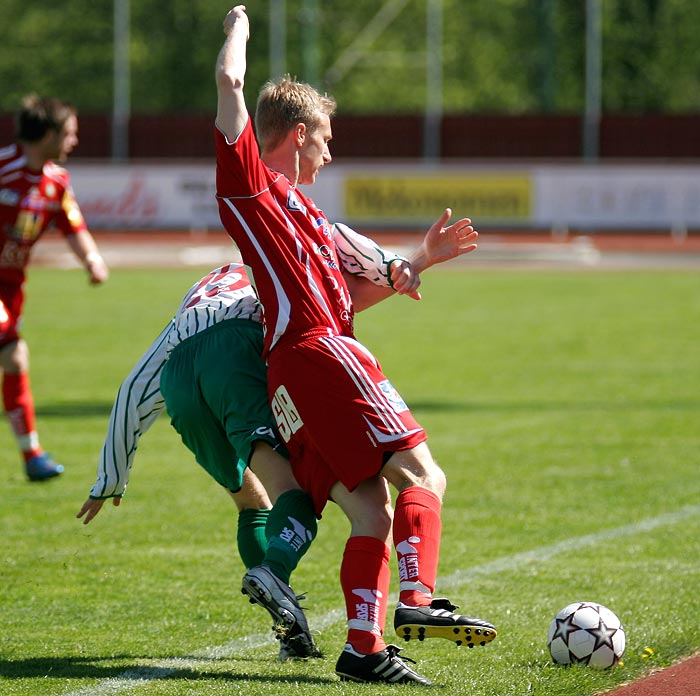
30, 203
286, 243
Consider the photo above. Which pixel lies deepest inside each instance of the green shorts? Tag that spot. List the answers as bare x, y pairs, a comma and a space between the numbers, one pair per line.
215, 391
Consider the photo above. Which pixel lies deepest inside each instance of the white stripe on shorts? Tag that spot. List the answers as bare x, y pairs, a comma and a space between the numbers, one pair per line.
366, 386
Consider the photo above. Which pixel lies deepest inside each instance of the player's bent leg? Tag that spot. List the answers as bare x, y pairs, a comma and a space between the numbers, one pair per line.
252, 495
365, 578
14, 357
415, 467
291, 528
368, 507
18, 403
253, 507
416, 532
272, 469
292, 524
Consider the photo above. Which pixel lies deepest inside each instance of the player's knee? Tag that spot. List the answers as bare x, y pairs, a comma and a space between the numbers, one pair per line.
373, 521
415, 467
368, 507
14, 357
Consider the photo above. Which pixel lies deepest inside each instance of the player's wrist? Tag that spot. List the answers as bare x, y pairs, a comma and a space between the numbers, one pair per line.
420, 259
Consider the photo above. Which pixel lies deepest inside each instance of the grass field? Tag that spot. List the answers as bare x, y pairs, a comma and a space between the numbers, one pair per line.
564, 407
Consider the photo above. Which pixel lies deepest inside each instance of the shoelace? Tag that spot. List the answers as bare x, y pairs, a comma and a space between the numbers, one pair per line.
443, 603
394, 651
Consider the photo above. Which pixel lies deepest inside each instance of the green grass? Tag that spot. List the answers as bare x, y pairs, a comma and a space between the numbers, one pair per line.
564, 408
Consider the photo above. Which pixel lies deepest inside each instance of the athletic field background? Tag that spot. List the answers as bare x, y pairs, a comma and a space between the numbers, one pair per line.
564, 407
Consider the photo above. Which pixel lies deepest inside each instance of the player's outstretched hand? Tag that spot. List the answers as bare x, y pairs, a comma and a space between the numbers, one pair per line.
92, 506
404, 279
444, 243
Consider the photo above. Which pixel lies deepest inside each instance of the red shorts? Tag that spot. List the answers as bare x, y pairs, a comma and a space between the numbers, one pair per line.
11, 302
337, 413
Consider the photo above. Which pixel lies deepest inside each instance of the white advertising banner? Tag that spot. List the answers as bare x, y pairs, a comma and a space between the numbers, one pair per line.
133, 196
618, 197
410, 195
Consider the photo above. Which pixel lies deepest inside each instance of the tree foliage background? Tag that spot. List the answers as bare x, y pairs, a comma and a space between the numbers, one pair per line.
500, 56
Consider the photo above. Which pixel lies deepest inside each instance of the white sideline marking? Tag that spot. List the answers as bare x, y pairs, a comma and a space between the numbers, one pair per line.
133, 678
544, 553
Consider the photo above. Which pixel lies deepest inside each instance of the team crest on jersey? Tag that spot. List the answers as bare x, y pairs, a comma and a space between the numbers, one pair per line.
293, 202
392, 396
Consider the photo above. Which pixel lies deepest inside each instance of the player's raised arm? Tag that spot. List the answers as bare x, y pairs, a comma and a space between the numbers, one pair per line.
231, 112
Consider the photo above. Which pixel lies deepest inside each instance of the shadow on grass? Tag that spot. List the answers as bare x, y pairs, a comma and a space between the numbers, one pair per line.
76, 409
544, 406
62, 667
82, 409
91, 668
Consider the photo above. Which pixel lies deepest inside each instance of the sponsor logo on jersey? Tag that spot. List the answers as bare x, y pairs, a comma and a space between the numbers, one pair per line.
323, 250
327, 254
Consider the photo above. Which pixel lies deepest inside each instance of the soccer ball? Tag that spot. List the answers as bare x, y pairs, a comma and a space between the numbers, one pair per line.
587, 633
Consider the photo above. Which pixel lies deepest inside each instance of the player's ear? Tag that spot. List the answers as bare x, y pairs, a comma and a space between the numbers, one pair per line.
49, 137
300, 131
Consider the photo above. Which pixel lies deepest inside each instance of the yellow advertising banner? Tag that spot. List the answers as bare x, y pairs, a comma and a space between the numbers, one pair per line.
398, 198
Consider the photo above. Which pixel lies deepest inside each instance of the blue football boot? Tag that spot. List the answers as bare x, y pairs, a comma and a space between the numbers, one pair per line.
42, 467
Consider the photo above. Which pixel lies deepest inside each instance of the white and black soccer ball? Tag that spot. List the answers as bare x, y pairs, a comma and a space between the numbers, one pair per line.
587, 633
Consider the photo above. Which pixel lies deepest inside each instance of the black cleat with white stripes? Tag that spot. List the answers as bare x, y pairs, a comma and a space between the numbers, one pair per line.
289, 623
383, 666
438, 620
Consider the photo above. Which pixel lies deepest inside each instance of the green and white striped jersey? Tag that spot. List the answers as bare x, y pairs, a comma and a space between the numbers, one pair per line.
224, 293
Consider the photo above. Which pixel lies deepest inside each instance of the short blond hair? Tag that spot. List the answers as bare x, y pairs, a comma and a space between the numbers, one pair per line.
284, 103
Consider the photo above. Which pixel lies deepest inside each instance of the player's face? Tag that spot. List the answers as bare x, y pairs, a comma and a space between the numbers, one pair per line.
59, 144
314, 153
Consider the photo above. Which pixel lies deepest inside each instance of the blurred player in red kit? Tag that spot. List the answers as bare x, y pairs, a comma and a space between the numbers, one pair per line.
35, 195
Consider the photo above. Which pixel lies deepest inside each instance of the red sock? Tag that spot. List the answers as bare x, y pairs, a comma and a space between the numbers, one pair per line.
417, 530
364, 577
19, 407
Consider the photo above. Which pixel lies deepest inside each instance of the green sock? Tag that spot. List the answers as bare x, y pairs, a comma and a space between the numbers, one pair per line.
291, 527
251, 538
